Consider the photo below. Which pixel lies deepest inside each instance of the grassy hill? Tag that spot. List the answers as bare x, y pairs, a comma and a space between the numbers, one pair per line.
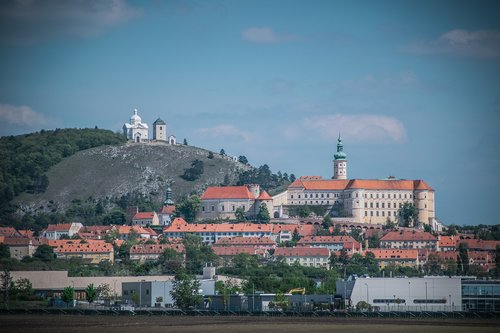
114, 171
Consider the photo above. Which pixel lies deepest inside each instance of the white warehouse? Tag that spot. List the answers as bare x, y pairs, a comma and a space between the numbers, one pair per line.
404, 294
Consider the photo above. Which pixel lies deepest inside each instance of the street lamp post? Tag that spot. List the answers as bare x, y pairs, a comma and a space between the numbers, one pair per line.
407, 304
425, 296
367, 295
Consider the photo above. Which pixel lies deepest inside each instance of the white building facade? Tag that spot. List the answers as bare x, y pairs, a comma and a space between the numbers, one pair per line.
404, 294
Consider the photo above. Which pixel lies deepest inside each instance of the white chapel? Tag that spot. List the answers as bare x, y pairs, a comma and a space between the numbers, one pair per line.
136, 130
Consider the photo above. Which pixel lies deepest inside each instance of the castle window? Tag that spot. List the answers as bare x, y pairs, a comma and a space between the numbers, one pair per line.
382, 195
203, 208
291, 196
383, 213
316, 195
389, 213
376, 204
377, 212
377, 195
299, 196
371, 204
383, 205
366, 213
366, 205
213, 208
371, 213
371, 195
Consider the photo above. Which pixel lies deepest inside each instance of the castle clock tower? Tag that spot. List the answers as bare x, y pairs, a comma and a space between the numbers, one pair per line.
340, 161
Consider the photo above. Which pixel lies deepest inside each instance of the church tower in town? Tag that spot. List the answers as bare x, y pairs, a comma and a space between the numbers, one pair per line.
340, 161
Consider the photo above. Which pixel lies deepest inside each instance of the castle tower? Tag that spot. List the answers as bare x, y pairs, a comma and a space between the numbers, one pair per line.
340, 161
159, 130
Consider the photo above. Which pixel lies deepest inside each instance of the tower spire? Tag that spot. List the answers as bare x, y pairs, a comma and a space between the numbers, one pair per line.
340, 161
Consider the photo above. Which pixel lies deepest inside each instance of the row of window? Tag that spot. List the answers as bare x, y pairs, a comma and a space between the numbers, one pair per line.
212, 208
382, 213
382, 205
415, 301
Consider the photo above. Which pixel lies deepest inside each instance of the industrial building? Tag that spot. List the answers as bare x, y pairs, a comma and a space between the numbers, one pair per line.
404, 294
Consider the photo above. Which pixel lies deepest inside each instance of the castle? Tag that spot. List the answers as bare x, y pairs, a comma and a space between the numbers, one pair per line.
367, 201
370, 201
137, 131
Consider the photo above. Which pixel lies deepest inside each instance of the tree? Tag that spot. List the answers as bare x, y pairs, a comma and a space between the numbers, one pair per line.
496, 272
170, 261
4, 251
239, 214
185, 142
210, 155
242, 159
427, 228
451, 230
304, 211
222, 152
327, 222
68, 294
433, 264
91, 293
296, 236
292, 178
463, 258
197, 254
263, 215
337, 231
363, 306
7, 284
389, 225
356, 234
194, 172
185, 291
44, 252
23, 289
409, 214
189, 207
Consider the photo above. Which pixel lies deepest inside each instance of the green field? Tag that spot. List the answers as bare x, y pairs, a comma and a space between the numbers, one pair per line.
236, 324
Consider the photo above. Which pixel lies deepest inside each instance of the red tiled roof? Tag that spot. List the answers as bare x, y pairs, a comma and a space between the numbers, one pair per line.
227, 192
323, 184
407, 235
264, 196
325, 239
180, 225
144, 216
302, 252
58, 227
479, 244
370, 184
17, 241
394, 253
26, 233
123, 229
8, 231
388, 184
302, 229
167, 210
248, 241
235, 250
448, 241
155, 248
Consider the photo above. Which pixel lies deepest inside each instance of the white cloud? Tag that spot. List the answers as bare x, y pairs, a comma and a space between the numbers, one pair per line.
225, 131
362, 127
481, 43
22, 116
30, 21
266, 35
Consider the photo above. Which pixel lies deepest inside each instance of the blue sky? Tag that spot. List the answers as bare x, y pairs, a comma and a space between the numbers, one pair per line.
413, 86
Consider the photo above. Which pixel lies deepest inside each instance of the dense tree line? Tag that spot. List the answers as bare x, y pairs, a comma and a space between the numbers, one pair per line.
265, 178
24, 159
